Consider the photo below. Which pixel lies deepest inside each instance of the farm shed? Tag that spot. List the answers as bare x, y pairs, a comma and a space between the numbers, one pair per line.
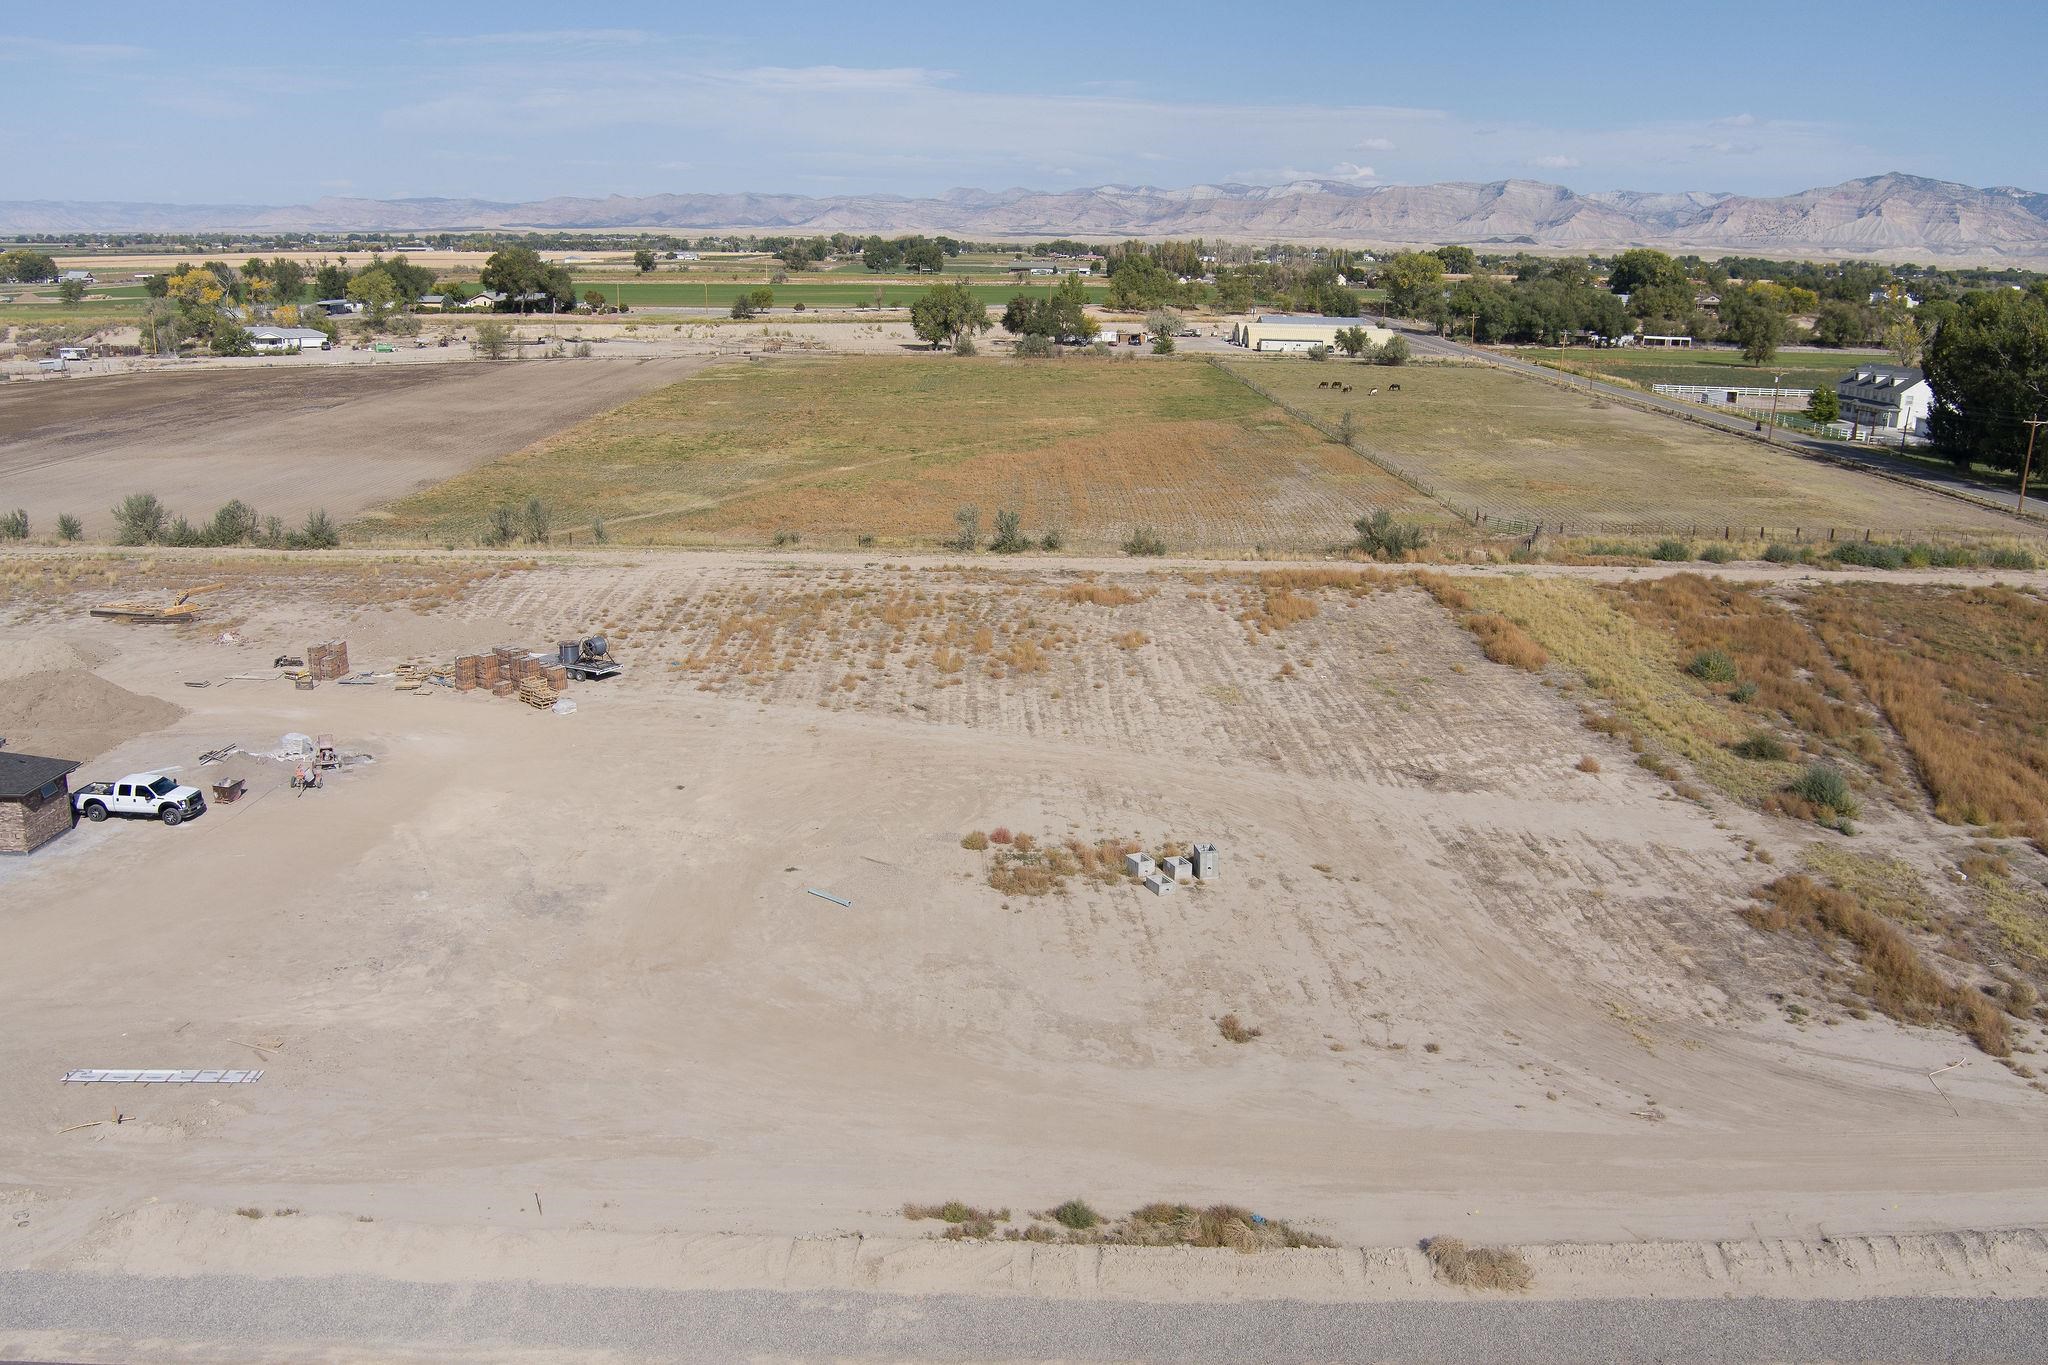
35, 800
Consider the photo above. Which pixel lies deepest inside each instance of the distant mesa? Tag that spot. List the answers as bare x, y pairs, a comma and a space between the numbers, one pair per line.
1887, 215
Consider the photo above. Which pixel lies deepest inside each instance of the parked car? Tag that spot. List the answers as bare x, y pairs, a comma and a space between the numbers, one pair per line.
147, 794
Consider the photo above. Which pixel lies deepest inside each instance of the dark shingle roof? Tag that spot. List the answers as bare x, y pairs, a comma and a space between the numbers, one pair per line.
21, 774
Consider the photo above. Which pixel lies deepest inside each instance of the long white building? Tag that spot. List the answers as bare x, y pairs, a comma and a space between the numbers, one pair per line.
1299, 332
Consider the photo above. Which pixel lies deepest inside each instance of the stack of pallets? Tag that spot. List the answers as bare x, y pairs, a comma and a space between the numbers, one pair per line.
535, 692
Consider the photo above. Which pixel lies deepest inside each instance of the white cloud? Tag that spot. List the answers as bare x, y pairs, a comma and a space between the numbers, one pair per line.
788, 128
546, 37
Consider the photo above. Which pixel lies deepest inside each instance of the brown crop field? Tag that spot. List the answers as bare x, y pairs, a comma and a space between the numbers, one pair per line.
289, 438
1522, 449
835, 451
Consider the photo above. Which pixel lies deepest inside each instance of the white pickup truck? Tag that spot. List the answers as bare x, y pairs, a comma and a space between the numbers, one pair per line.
150, 794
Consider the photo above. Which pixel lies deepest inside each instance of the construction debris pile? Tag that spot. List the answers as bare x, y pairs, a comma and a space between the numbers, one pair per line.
181, 608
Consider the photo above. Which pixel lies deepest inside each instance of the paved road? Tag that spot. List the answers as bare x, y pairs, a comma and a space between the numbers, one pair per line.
1428, 344
346, 1318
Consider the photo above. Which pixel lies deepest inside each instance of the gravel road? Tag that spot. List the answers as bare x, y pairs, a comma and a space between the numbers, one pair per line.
62, 1315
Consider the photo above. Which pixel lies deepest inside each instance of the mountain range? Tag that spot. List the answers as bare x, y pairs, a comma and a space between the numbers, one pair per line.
1891, 216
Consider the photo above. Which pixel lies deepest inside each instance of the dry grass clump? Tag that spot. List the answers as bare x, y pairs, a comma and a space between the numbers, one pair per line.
954, 1211
1236, 1030
1075, 1213
1506, 643
1356, 581
1895, 978
1445, 590
1589, 764
1024, 867
1962, 675
1133, 639
1218, 1225
1888, 886
1277, 610
1501, 1268
975, 840
964, 1221
1101, 594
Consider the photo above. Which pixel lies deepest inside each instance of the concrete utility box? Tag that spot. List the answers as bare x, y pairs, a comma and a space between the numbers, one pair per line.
1138, 864
1159, 884
1205, 861
1180, 869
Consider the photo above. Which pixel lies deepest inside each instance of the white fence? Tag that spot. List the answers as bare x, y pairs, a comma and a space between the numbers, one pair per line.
1720, 395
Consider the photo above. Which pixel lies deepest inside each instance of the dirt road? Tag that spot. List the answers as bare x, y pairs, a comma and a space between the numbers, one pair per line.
82, 1317
288, 440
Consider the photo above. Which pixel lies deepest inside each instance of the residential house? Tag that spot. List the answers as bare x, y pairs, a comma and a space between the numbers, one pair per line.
1886, 398
288, 340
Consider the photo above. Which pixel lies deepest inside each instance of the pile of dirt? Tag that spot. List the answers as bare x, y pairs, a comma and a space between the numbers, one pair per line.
52, 703
20, 658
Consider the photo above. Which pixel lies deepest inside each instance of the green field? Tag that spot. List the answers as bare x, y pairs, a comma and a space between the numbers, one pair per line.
1523, 450
1800, 369
835, 450
672, 291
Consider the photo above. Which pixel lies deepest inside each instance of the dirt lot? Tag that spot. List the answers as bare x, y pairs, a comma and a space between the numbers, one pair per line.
287, 439
524, 959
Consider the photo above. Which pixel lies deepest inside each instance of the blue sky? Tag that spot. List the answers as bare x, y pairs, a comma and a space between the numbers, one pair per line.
281, 103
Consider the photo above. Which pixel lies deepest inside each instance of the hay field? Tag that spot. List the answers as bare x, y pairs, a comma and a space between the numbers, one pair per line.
1799, 369
836, 450
1518, 448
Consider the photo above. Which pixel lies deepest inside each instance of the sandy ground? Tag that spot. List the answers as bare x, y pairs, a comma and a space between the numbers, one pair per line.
351, 437
532, 971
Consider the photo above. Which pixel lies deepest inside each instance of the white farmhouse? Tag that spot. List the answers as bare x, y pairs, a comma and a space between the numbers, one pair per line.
1886, 398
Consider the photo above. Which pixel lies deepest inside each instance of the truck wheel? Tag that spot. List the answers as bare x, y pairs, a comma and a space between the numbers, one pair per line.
172, 815
95, 812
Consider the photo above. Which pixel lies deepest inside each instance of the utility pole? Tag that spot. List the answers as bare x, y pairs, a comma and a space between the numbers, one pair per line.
1772, 434
2026, 467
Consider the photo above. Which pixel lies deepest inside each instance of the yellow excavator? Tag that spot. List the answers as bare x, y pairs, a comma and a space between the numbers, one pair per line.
181, 608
